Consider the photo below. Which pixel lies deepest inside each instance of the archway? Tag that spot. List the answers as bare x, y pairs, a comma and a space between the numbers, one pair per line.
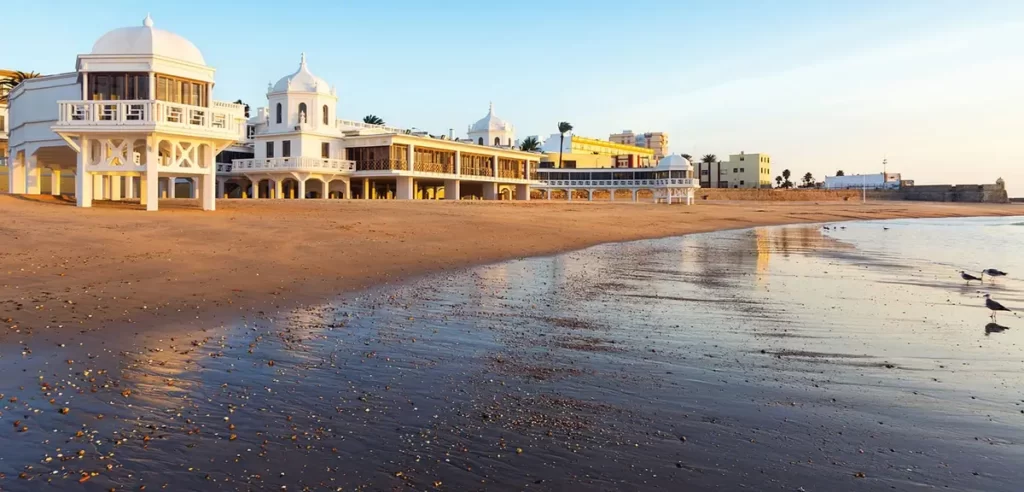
289, 188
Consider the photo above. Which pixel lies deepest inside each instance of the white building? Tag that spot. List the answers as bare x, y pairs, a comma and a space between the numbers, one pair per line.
491, 130
138, 114
671, 181
880, 181
137, 110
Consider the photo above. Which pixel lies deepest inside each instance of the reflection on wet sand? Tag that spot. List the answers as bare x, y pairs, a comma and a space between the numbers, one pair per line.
781, 358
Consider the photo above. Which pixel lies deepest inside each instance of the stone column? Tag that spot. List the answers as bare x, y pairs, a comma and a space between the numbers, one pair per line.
634, 194
152, 183
129, 186
327, 189
55, 182
523, 192
495, 166
590, 195
34, 181
452, 189
404, 188
170, 187
83, 181
208, 184
568, 194
97, 186
115, 187
611, 195
490, 191
458, 165
277, 190
220, 188
302, 189
366, 188
412, 157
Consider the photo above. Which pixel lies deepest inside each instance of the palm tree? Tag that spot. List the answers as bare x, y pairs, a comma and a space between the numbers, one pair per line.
530, 144
563, 127
7, 84
708, 159
246, 107
808, 180
688, 157
372, 119
778, 181
840, 173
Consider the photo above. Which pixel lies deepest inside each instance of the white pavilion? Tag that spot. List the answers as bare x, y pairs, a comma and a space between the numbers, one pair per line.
671, 181
491, 130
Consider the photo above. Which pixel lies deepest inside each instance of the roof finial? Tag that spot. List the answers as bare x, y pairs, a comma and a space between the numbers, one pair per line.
148, 21
491, 109
303, 61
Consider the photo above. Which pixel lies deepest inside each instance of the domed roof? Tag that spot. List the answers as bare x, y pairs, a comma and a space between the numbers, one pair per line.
147, 40
490, 123
674, 162
302, 81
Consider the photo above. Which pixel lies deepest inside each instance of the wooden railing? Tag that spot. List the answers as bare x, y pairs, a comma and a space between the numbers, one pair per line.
382, 165
436, 167
619, 183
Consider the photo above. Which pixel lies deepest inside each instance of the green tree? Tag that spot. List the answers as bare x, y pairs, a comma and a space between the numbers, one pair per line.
246, 107
708, 159
372, 119
778, 181
785, 175
688, 157
530, 144
563, 128
7, 84
840, 173
808, 180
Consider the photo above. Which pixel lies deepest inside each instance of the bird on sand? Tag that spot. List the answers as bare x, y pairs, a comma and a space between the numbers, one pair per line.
992, 272
994, 306
968, 277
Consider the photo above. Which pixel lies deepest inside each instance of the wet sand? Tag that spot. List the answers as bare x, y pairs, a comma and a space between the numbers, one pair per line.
65, 270
766, 359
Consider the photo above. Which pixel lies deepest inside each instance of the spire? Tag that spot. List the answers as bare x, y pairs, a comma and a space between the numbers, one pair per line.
302, 63
148, 21
491, 109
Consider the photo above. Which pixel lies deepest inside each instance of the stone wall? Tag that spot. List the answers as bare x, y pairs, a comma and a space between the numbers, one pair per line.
991, 193
776, 195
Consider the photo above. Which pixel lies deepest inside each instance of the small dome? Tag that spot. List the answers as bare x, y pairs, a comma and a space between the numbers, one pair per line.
147, 40
675, 162
302, 81
490, 123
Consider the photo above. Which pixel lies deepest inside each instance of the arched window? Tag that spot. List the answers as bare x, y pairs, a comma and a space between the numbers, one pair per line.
279, 113
480, 141
497, 141
327, 117
303, 114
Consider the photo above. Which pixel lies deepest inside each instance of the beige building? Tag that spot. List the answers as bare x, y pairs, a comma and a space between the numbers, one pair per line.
656, 141
582, 152
740, 171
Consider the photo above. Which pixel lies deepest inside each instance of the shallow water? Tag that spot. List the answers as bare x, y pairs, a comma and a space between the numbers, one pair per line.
765, 359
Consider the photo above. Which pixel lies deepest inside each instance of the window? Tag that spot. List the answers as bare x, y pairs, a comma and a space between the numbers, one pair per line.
497, 141
743, 170
703, 172
118, 86
270, 150
2, 123
184, 91
569, 164
325, 150
741, 157
742, 182
735, 170
286, 148
278, 113
480, 141
303, 114
327, 117
250, 132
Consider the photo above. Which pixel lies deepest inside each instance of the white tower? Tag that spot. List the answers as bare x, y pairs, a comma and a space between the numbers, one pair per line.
492, 131
145, 112
302, 99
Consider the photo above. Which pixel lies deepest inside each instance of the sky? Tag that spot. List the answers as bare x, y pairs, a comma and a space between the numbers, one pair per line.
936, 87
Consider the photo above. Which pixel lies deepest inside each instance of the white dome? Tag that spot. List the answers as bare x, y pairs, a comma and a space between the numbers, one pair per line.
490, 123
675, 162
302, 81
147, 40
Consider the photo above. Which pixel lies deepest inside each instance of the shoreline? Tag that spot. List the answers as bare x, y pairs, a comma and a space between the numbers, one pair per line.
176, 269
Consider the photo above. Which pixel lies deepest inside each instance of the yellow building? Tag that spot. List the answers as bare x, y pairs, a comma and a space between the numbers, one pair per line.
582, 152
656, 141
740, 171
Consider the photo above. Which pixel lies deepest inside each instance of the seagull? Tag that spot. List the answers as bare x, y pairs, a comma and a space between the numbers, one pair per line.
968, 277
992, 272
994, 306
885, 228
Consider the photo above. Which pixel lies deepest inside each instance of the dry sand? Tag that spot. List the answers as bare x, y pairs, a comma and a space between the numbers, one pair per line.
114, 265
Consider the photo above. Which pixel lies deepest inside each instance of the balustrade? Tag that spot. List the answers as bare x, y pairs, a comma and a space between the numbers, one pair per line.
291, 164
222, 117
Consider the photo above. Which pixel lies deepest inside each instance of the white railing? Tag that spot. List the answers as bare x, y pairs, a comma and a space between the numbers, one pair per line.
289, 164
619, 183
223, 117
360, 124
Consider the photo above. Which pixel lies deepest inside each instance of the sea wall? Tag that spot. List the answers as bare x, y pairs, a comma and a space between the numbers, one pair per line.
991, 193
776, 195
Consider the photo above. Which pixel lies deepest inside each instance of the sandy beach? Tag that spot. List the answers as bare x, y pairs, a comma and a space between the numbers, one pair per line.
114, 265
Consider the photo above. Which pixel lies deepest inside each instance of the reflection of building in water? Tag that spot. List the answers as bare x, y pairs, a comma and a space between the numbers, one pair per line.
764, 252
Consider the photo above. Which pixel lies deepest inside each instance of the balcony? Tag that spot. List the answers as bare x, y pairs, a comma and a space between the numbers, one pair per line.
302, 164
222, 120
621, 183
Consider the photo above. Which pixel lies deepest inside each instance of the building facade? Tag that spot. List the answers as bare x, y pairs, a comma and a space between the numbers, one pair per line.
740, 171
671, 181
880, 181
582, 152
136, 120
656, 141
